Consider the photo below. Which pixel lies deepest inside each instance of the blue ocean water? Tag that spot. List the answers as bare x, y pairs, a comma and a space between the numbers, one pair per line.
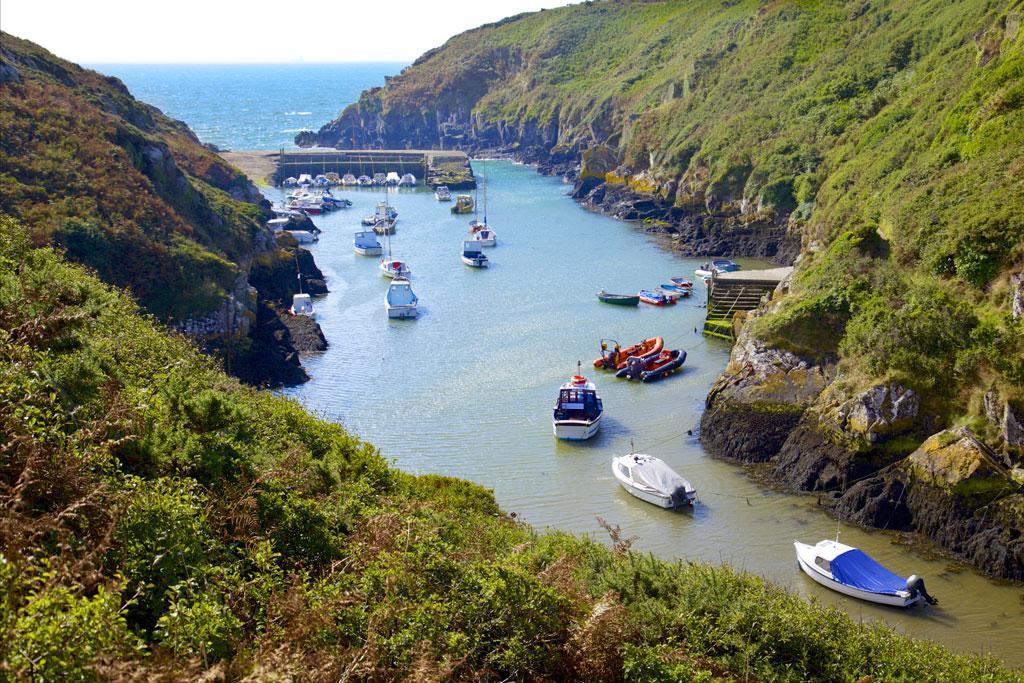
250, 106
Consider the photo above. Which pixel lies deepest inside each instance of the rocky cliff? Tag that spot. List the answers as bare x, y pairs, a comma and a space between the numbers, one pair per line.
133, 194
875, 144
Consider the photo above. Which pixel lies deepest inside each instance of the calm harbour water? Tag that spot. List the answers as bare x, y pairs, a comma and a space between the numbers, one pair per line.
466, 390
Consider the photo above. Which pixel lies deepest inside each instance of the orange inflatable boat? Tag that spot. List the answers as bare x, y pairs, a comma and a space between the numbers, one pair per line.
614, 357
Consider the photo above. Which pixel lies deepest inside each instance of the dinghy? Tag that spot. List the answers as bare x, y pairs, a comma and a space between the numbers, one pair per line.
653, 368
656, 297
303, 236
681, 282
853, 572
676, 289
614, 358
651, 479
401, 301
718, 265
619, 299
578, 410
365, 243
472, 255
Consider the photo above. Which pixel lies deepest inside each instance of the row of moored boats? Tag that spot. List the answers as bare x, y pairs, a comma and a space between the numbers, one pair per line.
390, 179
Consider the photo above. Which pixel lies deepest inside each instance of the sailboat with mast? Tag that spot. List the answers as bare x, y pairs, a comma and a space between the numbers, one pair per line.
392, 267
479, 231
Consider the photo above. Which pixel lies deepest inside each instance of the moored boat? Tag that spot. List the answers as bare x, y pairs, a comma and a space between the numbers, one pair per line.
654, 367
407, 180
302, 304
290, 181
714, 266
614, 358
619, 299
278, 224
392, 178
364, 181
473, 255
380, 179
650, 479
681, 282
484, 236
463, 204
676, 289
400, 301
348, 180
384, 227
853, 572
394, 268
303, 236
365, 243
442, 193
656, 297
578, 410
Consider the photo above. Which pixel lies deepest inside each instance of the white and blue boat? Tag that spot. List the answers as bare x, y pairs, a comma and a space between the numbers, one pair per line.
401, 301
714, 266
578, 410
365, 243
853, 572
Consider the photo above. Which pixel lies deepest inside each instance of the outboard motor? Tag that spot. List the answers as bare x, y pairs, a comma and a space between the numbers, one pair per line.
915, 586
635, 367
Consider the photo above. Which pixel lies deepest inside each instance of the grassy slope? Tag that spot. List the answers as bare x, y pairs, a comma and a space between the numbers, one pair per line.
903, 118
156, 515
123, 188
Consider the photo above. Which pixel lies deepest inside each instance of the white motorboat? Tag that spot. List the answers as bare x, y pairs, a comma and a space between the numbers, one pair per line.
321, 181
853, 572
472, 255
379, 179
302, 304
303, 236
290, 181
483, 235
392, 178
718, 265
278, 224
365, 243
364, 181
578, 410
401, 301
442, 193
348, 180
305, 179
652, 480
384, 212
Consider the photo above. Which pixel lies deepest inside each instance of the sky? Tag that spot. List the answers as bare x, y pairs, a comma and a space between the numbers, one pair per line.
177, 31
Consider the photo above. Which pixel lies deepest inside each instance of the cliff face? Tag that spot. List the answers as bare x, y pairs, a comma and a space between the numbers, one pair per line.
131, 193
876, 144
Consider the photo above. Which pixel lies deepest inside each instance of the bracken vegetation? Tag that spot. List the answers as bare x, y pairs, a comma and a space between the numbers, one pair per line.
157, 518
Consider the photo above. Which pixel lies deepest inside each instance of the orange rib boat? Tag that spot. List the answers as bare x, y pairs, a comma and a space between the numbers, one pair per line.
615, 358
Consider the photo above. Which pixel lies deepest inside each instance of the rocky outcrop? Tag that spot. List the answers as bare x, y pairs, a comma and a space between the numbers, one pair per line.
306, 336
759, 400
953, 491
271, 359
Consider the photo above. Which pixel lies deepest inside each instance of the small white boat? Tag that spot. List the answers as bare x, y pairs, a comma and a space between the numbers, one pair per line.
364, 181
392, 178
401, 301
365, 243
379, 179
302, 304
408, 180
718, 265
303, 236
578, 410
305, 179
284, 211
852, 572
278, 224
442, 193
483, 235
321, 180
384, 212
348, 180
472, 255
290, 181
652, 480
394, 268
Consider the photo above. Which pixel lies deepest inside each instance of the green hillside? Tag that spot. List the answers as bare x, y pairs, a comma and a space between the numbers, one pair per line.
121, 187
159, 519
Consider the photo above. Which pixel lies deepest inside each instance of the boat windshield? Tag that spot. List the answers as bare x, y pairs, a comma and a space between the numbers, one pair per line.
575, 404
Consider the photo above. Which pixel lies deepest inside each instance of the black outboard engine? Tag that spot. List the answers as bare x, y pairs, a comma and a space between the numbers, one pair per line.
915, 586
635, 367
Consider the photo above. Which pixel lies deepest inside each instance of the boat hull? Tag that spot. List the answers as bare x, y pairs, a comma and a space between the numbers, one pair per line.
805, 558
474, 262
401, 312
576, 430
368, 251
619, 299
